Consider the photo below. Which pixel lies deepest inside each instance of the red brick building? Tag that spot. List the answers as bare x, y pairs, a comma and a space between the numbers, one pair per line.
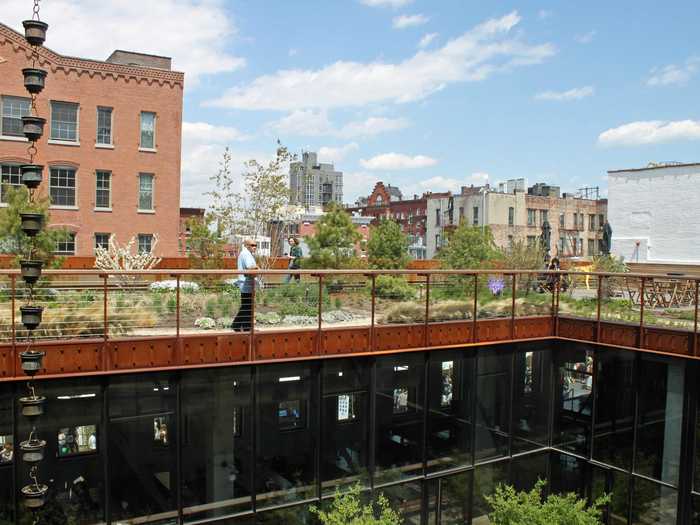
387, 201
111, 144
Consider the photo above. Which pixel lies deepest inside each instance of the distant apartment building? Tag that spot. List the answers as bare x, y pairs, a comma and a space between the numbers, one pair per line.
111, 144
655, 213
512, 216
313, 183
387, 201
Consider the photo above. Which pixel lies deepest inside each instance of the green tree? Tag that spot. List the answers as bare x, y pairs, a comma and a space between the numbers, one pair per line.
520, 256
333, 245
387, 247
469, 247
511, 507
347, 509
13, 240
205, 247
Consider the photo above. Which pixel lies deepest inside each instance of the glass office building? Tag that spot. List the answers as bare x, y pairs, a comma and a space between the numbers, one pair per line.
434, 431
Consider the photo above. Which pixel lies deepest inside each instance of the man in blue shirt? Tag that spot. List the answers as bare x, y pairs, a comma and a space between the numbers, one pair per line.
246, 283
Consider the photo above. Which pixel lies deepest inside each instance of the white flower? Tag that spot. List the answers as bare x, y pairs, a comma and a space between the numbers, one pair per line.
171, 286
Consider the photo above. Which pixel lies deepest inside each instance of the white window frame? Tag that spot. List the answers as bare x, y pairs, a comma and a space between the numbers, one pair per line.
75, 245
138, 242
100, 208
94, 237
152, 209
19, 184
110, 144
75, 188
155, 126
64, 142
20, 137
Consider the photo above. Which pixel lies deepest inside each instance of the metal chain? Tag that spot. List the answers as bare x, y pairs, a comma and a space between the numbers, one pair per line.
35, 15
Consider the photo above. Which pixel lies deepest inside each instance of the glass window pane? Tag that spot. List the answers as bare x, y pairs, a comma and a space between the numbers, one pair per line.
486, 479
73, 428
526, 470
62, 186
145, 192
148, 127
142, 446
450, 398
492, 403
64, 121
617, 485
531, 399
399, 425
7, 454
103, 180
573, 397
612, 440
216, 442
454, 499
10, 177
13, 109
345, 423
286, 434
652, 503
568, 474
660, 418
104, 125
405, 499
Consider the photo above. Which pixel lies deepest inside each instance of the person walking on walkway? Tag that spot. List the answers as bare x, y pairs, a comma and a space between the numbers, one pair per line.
295, 262
246, 283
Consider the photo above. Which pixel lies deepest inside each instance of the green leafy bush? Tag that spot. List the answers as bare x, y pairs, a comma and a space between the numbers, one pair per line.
348, 509
393, 287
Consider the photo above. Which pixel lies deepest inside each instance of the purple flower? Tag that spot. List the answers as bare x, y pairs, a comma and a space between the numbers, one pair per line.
496, 285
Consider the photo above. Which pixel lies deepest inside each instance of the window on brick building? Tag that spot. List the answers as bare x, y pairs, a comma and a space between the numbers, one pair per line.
103, 190
145, 242
475, 215
104, 126
64, 121
544, 216
62, 186
102, 240
13, 109
562, 245
531, 241
65, 244
511, 216
591, 247
146, 192
461, 214
580, 221
591, 222
9, 178
437, 217
148, 130
601, 221
510, 241
530, 217
562, 220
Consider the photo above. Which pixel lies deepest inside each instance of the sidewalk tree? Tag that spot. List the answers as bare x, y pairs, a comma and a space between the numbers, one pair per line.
333, 244
387, 248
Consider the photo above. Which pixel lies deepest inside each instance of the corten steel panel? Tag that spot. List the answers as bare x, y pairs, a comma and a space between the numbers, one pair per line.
531, 327
577, 329
493, 330
668, 341
283, 345
619, 334
345, 341
7, 359
142, 353
71, 358
394, 337
200, 350
450, 333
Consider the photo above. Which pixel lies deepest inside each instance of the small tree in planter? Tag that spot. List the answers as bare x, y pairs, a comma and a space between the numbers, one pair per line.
348, 509
387, 247
511, 507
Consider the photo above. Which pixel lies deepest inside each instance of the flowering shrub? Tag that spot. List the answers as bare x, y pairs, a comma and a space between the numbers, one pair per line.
496, 285
171, 286
205, 323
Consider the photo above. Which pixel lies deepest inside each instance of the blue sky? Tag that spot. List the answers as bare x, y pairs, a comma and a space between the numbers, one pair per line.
422, 94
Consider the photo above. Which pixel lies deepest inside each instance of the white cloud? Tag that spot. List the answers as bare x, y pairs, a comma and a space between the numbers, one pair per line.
484, 50
439, 183
336, 154
479, 178
586, 38
404, 21
310, 123
544, 14
651, 132
203, 132
572, 94
195, 33
293, 52
386, 3
674, 74
397, 161
357, 184
426, 40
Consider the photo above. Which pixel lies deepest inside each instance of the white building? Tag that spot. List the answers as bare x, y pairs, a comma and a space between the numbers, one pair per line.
654, 213
314, 184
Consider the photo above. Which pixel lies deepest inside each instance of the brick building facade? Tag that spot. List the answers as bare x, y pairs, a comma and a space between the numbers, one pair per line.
111, 145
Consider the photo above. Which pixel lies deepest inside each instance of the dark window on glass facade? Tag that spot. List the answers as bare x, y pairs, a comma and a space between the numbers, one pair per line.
493, 384
531, 399
7, 454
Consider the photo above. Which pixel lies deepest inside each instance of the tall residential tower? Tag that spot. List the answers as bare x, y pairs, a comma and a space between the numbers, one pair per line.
314, 184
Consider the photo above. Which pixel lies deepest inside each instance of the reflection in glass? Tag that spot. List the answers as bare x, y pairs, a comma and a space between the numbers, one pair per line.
660, 418
454, 498
568, 474
526, 470
486, 479
345, 424
613, 434
6, 454
450, 395
81, 439
405, 499
573, 398
399, 447
216, 442
7, 449
531, 400
492, 403
286, 433
616, 484
652, 503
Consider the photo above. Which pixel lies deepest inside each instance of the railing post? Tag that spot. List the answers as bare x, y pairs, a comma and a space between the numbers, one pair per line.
251, 335
474, 312
13, 291
177, 306
695, 320
427, 309
320, 313
371, 326
557, 287
600, 298
641, 313
105, 329
512, 309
